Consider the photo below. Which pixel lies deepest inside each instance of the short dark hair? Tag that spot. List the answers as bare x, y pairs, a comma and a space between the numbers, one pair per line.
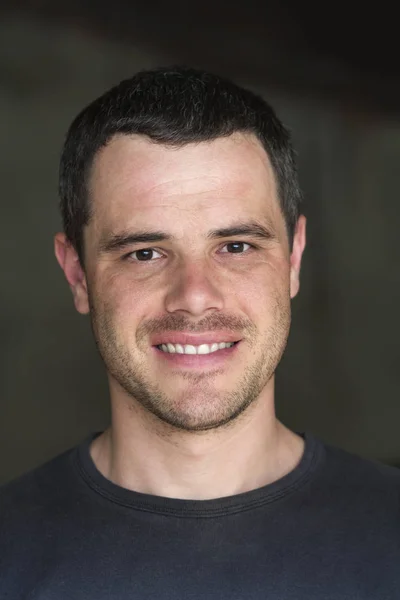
172, 106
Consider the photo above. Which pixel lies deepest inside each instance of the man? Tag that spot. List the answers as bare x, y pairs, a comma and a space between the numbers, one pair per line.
183, 241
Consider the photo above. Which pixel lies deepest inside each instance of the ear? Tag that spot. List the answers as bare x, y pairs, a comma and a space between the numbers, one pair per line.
299, 243
69, 262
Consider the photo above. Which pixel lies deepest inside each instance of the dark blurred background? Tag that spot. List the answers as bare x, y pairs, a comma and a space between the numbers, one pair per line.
332, 73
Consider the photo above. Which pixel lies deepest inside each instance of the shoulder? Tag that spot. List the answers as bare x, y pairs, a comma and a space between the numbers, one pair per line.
27, 498
360, 482
355, 468
35, 518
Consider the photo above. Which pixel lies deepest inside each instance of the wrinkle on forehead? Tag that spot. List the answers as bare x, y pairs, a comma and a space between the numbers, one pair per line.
198, 186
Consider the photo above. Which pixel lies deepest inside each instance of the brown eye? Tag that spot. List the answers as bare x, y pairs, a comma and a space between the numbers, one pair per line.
144, 255
236, 247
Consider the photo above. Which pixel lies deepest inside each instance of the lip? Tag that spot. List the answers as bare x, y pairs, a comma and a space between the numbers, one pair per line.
179, 337
199, 361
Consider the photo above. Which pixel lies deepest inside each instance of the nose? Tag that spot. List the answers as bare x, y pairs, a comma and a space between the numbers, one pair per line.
194, 289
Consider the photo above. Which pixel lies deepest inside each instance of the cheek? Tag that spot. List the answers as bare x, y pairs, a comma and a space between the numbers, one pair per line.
268, 279
264, 291
125, 301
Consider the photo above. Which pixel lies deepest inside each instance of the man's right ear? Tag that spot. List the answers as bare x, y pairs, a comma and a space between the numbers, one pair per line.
69, 262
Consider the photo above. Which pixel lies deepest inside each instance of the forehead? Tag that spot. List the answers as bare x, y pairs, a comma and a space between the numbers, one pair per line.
134, 177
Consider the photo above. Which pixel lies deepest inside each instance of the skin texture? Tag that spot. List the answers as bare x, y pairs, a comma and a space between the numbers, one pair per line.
209, 430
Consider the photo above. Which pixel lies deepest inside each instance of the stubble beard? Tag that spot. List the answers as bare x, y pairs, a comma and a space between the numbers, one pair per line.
200, 407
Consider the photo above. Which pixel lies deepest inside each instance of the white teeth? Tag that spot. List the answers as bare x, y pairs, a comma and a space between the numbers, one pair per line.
203, 349
189, 349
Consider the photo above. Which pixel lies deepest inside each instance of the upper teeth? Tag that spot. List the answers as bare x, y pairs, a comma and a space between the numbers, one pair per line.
188, 349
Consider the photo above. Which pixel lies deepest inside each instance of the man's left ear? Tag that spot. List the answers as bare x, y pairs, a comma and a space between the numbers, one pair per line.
299, 243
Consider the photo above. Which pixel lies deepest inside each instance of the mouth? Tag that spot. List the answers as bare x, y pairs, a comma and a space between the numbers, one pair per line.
189, 349
204, 356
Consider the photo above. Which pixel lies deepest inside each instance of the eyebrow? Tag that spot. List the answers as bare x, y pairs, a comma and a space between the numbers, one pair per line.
124, 239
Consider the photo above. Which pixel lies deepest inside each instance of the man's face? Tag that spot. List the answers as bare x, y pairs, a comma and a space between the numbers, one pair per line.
164, 272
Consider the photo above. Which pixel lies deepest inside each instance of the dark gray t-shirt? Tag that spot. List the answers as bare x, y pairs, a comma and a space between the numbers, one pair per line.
329, 530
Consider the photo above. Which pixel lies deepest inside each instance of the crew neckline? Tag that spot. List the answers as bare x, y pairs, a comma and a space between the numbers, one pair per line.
309, 463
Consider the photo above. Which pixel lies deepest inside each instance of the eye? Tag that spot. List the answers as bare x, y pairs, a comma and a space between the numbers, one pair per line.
143, 255
236, 248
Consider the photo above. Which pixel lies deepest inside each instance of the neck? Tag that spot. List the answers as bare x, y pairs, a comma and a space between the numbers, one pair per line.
140, 453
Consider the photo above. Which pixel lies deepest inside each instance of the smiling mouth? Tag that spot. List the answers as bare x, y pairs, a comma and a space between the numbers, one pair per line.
191, 350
